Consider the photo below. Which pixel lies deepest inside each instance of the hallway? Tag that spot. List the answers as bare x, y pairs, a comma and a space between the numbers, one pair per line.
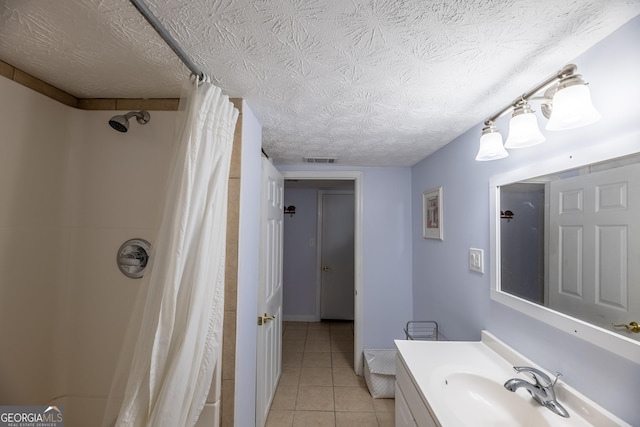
318, 387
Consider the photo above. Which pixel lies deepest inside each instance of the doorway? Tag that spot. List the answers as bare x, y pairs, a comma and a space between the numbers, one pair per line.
312, 179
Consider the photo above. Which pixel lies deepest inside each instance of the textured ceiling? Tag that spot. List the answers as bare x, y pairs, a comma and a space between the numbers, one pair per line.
371, 82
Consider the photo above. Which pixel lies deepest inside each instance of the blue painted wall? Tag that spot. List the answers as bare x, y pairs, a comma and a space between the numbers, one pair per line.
443, 286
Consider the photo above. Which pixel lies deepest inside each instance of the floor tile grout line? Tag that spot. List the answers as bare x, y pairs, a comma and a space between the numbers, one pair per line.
333, 386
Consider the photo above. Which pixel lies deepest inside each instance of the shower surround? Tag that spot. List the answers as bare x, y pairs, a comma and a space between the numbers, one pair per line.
72, 190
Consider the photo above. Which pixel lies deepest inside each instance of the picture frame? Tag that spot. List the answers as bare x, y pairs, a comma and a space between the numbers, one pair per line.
432, 219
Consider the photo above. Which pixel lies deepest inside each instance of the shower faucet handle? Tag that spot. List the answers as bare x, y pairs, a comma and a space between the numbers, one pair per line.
133, 256
131, 260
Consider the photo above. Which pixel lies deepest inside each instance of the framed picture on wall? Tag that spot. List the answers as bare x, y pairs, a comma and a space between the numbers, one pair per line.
432, 214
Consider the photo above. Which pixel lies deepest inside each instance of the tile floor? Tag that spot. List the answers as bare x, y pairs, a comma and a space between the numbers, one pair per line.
318, 386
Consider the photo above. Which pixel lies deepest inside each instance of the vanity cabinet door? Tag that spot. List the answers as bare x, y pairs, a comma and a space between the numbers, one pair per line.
410, 409
403, 414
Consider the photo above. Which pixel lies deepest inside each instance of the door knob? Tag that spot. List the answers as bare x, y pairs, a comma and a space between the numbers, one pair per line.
265, 318
325, 268
632, 326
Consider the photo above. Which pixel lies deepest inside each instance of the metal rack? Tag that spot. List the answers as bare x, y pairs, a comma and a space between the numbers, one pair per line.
424, 330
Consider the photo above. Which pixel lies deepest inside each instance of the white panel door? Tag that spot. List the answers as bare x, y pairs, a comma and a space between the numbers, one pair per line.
594, 271
337, 255
269, 318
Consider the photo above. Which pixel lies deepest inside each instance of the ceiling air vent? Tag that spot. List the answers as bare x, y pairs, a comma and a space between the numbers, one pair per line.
326, 160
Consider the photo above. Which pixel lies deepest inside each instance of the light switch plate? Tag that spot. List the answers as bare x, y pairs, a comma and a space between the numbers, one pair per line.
476, 260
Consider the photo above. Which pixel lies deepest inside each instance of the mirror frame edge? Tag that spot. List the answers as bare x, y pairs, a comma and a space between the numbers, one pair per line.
622, 146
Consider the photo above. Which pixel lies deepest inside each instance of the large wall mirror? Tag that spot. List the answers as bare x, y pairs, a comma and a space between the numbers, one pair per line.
566, 245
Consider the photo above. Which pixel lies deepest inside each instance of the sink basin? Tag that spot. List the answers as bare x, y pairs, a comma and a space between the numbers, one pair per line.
477, 400
461, 384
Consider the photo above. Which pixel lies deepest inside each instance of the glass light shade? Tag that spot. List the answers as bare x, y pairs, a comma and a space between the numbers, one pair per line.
524, 131
491, 147
572, 108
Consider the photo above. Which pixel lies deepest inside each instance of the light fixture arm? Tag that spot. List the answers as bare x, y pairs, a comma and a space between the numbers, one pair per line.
566, 71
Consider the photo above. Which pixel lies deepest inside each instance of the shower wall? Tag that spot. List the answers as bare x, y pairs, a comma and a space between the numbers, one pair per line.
116, 185
72, 190
34, 152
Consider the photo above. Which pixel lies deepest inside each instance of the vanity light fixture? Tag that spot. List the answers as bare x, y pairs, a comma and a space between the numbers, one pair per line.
491, 147
571, 105
566, 102
523, 127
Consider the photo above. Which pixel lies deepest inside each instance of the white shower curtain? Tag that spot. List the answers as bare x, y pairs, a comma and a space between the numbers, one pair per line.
175, 334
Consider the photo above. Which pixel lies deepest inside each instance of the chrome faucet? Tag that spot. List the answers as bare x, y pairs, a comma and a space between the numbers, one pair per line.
542, 391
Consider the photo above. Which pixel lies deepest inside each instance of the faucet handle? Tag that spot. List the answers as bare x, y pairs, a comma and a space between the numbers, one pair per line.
555, 380
537, 375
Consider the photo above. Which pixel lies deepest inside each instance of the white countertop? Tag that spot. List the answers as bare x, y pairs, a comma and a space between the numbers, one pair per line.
446, 373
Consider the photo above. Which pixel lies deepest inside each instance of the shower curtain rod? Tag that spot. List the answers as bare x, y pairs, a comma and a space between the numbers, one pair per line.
162, 32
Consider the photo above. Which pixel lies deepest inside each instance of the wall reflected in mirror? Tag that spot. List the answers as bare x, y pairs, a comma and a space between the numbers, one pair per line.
571, 242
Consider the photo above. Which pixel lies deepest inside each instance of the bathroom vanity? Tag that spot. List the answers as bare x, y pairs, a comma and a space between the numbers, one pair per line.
455, 384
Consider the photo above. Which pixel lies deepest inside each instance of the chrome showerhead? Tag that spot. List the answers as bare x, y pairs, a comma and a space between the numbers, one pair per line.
121, 123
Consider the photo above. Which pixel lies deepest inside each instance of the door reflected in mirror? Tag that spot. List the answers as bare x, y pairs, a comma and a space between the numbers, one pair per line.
570, 241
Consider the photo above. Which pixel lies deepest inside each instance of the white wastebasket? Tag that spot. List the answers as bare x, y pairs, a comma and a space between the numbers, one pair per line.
380, 372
